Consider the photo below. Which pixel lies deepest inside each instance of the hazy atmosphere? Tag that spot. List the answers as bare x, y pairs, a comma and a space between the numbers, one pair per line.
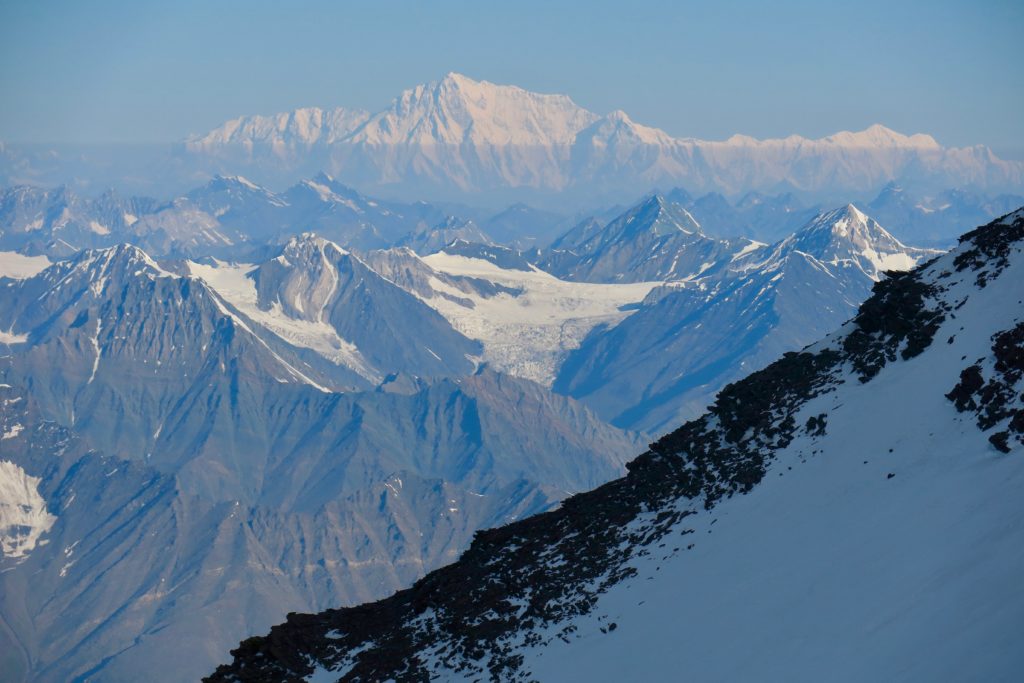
117, 71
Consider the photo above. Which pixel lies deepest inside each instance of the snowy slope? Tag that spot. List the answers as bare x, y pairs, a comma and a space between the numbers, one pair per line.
848, 513
281, 134
18, 266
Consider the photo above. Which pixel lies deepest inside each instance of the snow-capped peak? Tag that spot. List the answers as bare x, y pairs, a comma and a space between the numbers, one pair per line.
236, 181
121, 259
849, 236
301, 127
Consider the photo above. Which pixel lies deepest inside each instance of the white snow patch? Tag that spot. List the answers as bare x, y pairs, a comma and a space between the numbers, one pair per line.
18, 266
10, 337
12, 432
23, 514
99, 228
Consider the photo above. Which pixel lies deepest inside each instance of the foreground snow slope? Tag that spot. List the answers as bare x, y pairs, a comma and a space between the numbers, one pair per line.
851, 512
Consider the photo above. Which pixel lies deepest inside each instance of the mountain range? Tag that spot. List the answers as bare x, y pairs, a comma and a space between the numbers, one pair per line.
190, 451
848, 512
459, 137
232, 218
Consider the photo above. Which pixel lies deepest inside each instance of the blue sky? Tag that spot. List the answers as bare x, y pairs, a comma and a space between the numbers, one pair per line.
138, 71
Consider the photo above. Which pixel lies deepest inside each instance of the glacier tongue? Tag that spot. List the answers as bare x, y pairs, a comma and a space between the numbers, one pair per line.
527, 333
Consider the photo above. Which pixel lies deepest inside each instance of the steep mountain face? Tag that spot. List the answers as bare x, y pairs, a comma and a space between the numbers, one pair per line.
859, 488
468, 133
175, 471
121, 563
458, 136
666, 361
110, 342
653, 241
457, 109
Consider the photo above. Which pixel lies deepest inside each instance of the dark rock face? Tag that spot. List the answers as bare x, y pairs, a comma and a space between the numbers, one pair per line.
521, 585
993, 391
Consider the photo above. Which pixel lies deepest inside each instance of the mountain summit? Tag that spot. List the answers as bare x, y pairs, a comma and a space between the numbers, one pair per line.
458, 110
847, 236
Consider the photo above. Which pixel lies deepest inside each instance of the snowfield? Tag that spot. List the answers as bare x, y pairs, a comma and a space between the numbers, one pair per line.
18, 266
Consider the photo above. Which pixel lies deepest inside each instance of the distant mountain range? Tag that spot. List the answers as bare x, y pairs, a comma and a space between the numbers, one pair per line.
232, 218
461, 137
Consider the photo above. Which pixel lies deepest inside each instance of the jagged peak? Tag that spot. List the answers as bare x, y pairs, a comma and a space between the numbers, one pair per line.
310, 242
848, 235
323, 177
844, 222
122, 258
219, 181
457, 108
655, 210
